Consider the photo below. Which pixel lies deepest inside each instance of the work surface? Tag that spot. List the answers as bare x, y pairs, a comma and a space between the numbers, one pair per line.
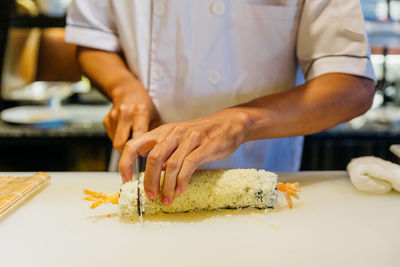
331, 225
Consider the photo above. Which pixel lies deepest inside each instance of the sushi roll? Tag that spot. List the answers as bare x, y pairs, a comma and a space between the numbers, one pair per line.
207, 190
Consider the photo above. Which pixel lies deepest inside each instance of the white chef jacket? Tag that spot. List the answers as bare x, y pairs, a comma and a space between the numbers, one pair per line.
198, 57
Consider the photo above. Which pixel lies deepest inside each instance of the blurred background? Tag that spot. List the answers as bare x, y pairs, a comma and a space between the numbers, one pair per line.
51, 116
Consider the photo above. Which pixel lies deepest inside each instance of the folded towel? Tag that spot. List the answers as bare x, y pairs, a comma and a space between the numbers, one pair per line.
374, 174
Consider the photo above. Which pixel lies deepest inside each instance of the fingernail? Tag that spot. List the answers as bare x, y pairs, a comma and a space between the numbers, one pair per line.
165, 201
178, 189
150, 195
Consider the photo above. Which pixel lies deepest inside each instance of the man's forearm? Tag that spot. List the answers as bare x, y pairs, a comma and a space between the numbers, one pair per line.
106, 70
312, 107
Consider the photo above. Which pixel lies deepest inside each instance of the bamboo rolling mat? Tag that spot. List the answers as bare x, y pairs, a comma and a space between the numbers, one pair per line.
15, 189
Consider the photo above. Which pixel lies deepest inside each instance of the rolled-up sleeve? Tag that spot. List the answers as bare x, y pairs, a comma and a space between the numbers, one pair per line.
90, 23
332, 38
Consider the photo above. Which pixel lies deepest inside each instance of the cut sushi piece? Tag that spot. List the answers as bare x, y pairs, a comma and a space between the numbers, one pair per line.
128, 200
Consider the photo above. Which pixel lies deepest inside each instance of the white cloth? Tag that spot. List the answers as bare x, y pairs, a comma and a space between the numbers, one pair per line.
198, 57
374, 174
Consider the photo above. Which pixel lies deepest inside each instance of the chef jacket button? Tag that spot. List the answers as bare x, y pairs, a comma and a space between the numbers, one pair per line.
156, 74
214, 77
159, 8
217, 8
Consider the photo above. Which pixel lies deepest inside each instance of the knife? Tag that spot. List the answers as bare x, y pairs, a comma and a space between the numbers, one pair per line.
136, 175
395, 150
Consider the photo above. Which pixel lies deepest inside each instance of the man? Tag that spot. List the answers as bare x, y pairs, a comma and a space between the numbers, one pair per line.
220, 75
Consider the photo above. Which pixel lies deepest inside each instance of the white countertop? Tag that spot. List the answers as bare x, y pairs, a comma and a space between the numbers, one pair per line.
331, 225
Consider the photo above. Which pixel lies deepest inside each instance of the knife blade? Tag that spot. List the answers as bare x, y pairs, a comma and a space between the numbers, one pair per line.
136, 175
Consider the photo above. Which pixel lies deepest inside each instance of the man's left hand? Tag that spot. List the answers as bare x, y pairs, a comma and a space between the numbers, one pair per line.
180, 148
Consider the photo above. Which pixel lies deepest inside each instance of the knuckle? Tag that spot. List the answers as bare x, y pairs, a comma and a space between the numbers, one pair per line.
172, 164
123, 108
139, 129
118, 145
180, 128
154, 157
113, 114
124, 111
141, 109
130, 145
195, 135
190, 160
137, 133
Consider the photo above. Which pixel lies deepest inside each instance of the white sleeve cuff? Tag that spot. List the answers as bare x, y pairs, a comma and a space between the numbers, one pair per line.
360, 66
92, 38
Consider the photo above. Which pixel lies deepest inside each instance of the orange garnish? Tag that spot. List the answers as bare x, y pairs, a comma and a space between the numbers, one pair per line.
290, 191
100, 198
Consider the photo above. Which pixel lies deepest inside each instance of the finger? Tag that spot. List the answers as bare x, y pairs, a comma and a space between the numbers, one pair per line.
174, 164
132, 149
140, 146
141, 125
123, 129
202, 154
109, 123
154, 163
107, 127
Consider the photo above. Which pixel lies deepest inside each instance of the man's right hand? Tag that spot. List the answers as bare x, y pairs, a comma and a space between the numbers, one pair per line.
133, 113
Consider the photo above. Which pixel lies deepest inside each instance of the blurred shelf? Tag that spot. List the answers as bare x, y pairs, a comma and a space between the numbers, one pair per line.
81, 144
384, 34
86, 122
368, 135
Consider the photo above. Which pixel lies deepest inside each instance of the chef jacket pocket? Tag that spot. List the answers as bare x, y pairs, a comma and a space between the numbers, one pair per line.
260, 10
